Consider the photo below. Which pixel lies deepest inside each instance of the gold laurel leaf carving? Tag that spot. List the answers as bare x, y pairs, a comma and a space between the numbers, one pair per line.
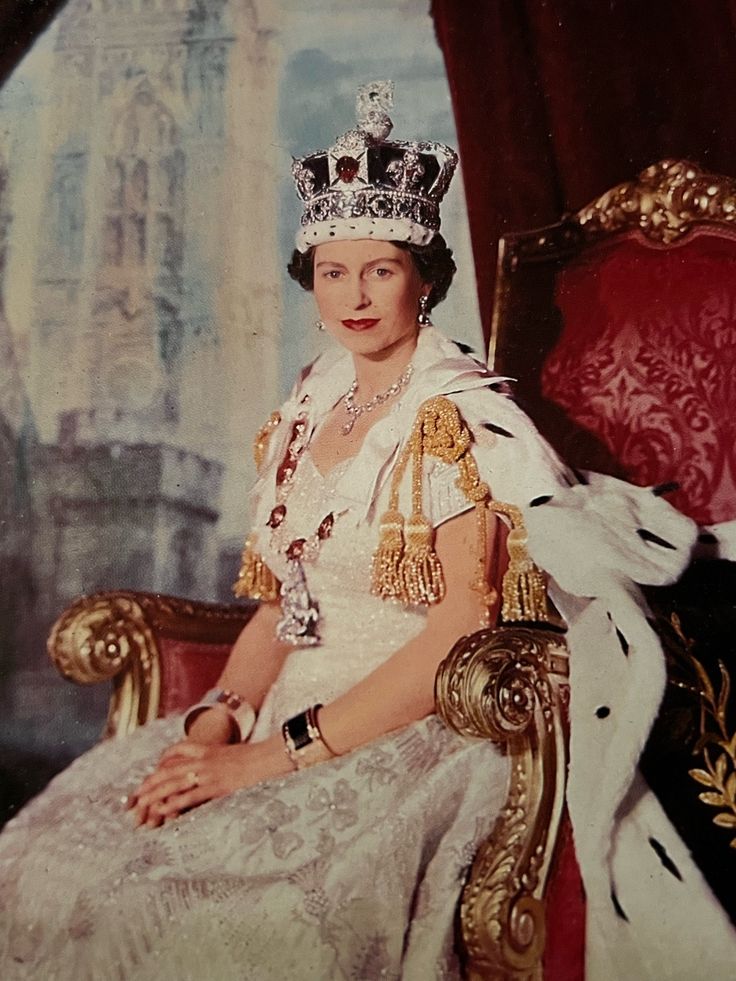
688, 673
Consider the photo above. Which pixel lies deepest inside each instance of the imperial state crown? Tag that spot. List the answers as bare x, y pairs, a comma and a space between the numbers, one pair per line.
367, 186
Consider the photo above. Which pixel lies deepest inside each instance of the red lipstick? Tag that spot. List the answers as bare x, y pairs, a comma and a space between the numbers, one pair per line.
358, 325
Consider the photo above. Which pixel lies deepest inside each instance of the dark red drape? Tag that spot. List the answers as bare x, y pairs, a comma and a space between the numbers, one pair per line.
558, 100
21, 21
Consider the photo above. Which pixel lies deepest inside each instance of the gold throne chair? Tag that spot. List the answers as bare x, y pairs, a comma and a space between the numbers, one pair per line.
619, 322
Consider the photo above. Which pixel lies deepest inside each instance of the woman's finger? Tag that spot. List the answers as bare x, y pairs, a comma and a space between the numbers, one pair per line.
174, 781
169, 758
163, 773
176, 803
173, 806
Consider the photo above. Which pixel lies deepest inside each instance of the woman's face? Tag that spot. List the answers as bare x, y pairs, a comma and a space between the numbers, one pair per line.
367, 294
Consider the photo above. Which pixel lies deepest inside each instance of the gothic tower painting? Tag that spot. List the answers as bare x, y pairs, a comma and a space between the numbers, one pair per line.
135, 299
146, 337
17, 440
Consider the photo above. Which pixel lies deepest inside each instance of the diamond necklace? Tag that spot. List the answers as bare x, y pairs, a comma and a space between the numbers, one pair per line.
355, 411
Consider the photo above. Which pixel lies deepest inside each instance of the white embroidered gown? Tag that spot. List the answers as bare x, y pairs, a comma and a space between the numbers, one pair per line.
351, 869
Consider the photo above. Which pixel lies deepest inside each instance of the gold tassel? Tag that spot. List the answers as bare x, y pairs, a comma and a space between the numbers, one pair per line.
421, 571
524, 587
406, 566
386, 580
255, 580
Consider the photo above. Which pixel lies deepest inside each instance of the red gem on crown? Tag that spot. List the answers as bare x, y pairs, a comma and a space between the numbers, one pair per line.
347, 169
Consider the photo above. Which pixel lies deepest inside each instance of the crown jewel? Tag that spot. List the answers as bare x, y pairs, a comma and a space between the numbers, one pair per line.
366, 186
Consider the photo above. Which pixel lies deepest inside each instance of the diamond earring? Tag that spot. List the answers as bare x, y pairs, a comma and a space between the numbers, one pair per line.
423, 318
319, 324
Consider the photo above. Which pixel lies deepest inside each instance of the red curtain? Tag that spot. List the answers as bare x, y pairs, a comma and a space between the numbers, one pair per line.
21, 21
558, 100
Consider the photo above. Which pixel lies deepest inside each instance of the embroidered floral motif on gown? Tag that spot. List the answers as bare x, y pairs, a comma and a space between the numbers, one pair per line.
351, 869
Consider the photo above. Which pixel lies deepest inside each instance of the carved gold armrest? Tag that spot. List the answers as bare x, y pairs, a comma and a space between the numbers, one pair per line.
115, 636
508, 684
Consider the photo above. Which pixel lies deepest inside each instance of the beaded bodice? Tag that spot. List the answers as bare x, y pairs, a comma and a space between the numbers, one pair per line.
357, 631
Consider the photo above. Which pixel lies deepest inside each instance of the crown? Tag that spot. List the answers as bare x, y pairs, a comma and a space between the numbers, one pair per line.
366, 186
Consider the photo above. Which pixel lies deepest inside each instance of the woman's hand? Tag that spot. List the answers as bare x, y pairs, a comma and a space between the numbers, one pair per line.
191, 773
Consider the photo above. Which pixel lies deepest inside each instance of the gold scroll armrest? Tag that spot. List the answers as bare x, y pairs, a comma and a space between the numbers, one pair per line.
115, 636
508, 684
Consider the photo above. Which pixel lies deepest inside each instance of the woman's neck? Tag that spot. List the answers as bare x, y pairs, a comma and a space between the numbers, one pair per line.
376, 373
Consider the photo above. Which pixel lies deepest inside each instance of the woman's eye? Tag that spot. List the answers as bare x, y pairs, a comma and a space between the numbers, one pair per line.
332, 274
381, 272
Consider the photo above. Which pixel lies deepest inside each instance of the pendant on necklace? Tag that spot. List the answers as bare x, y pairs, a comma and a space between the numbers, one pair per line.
299, 623
348, 427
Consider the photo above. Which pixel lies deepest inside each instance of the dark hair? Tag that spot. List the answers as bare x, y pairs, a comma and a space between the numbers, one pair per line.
433, 262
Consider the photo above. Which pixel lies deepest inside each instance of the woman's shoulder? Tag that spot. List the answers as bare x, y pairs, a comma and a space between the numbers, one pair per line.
484, 398
457, 393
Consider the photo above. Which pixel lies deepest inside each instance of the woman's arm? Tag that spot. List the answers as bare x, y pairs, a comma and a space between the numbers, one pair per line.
401, 690
398, 692
253, 665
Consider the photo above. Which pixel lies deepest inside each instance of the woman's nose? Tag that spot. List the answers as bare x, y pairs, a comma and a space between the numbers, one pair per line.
359, 295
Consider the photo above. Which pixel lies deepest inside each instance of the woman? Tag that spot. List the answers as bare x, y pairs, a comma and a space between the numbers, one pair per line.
330, 841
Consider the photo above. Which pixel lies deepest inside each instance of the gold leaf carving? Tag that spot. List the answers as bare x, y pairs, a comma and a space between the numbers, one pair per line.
506, 684
719, 774
107, 637
715, 800
702, 776
663, 203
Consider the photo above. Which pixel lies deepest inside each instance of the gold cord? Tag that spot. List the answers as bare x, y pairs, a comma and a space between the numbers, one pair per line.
405, 564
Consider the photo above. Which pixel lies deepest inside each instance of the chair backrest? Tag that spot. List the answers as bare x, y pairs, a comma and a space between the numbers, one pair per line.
620, 324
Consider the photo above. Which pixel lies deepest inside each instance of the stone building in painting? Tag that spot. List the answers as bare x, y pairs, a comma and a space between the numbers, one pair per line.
146, 344
140, 293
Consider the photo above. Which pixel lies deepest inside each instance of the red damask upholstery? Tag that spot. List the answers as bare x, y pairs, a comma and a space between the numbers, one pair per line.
646, 361
564, 950
188, 670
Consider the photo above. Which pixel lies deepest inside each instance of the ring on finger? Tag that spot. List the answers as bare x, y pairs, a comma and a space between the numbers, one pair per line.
192, 780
